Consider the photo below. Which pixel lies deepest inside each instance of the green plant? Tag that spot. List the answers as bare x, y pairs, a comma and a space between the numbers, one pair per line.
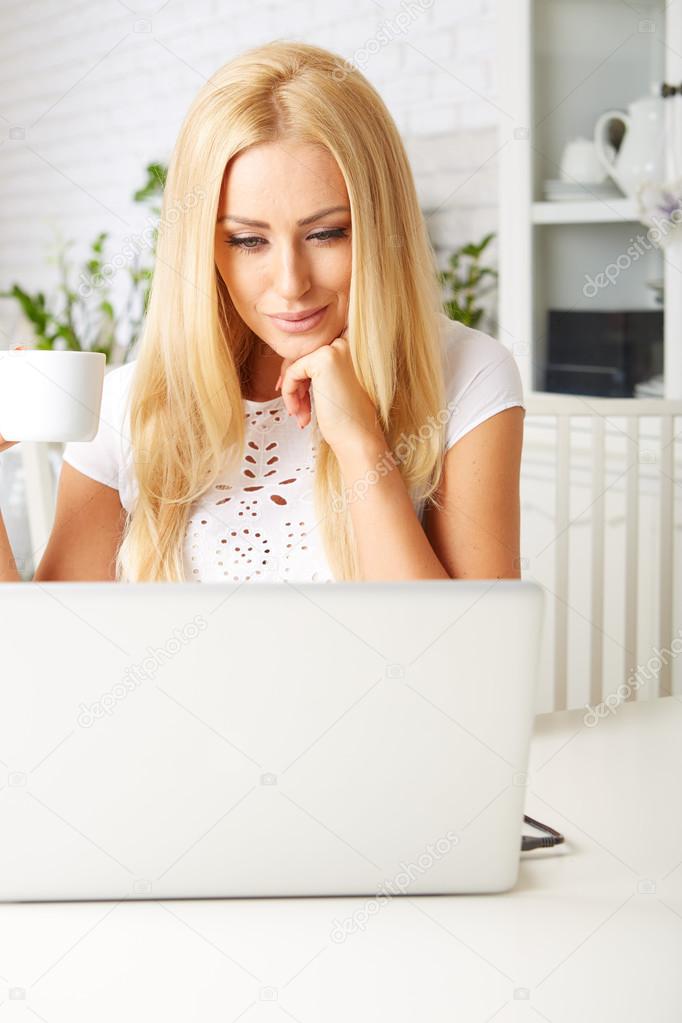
465, 281
82, 317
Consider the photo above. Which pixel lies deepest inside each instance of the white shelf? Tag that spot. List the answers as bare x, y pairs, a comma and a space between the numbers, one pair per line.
591, 211
561, 64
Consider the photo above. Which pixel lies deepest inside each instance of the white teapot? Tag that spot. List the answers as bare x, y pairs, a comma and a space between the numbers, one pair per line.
641, 157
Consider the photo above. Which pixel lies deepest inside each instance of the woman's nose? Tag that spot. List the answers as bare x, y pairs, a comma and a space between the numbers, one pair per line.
291, 273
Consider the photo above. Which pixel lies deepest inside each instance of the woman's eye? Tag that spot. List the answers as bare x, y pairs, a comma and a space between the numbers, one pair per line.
251, 243
244, 243
325, 237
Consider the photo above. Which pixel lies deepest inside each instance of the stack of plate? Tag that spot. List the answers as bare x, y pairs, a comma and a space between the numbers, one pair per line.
556, 190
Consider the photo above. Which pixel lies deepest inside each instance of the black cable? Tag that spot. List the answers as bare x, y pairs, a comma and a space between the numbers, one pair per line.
529, 842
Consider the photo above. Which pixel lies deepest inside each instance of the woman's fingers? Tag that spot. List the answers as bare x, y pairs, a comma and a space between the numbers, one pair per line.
296, 388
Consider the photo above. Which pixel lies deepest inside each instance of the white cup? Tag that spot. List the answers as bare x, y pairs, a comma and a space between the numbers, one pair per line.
580, 162
50, 396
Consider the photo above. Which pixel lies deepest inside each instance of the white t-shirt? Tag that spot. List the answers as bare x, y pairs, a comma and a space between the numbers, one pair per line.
259, 525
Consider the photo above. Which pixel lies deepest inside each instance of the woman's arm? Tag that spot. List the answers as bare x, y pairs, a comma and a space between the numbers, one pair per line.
391, 542
474, 535
8, 567
85, 536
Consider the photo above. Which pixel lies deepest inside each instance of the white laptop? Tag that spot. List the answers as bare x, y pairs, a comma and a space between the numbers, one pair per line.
172, 740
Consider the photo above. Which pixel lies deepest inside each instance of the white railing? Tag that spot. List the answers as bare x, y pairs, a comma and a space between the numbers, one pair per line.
558, 423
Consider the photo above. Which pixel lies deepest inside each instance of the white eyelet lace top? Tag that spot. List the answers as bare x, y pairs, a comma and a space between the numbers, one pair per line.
258, 525
261, 526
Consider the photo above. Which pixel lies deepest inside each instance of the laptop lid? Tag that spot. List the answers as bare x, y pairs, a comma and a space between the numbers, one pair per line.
166, 740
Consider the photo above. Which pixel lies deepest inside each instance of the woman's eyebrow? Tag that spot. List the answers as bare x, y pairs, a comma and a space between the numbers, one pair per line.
300, 223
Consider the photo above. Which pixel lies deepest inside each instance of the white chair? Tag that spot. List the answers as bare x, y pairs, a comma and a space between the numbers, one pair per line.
598, 567
40, 484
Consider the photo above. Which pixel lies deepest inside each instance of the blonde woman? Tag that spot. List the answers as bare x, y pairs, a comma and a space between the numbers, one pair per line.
300, 408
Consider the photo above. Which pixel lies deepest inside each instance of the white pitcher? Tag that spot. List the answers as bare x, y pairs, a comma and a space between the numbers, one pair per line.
641, 157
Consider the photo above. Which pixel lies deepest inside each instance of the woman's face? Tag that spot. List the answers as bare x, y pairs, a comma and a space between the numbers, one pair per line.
281, 265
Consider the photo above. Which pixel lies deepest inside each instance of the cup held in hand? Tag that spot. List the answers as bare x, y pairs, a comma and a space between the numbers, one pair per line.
50, 396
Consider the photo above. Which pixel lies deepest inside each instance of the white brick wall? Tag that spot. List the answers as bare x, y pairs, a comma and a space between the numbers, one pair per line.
92, 92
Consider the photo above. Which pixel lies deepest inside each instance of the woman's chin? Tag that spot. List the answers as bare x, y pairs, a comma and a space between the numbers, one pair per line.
296, 347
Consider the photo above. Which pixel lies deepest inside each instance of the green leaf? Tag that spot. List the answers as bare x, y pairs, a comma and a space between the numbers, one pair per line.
155, 183
32, 306
66, 332
465, 281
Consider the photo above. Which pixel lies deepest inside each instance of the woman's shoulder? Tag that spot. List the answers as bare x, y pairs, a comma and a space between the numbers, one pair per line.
116, 395
118, 379
104, 458
469, 352
481, 377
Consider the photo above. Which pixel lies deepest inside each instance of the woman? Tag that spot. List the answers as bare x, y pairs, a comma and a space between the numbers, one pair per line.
371, 439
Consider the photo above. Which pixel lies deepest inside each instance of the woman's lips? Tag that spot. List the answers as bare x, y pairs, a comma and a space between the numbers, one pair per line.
300, 326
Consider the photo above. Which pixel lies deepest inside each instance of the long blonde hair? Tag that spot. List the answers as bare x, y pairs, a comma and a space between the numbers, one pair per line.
186, 414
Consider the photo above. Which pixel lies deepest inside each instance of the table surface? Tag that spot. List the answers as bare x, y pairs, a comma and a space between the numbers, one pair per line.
592, 930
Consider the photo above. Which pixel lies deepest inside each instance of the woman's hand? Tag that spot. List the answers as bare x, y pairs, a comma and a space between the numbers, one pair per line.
4, 444
345, 414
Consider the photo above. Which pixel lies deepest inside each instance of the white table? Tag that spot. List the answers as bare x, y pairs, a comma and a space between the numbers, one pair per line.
592, 932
